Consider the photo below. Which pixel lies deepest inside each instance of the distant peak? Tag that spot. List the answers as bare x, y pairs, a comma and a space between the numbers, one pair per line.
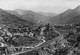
18, 9
78, 7
1, 9
69, 10
22, 11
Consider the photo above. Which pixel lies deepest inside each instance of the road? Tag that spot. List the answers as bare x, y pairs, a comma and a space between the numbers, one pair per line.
41, 44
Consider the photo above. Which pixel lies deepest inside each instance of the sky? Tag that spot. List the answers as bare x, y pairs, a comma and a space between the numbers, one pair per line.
50, 6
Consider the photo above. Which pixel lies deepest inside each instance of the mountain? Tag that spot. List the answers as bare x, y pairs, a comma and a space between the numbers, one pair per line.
21, 14
30, 15
48, 14
66, 16
12, 20
75, 20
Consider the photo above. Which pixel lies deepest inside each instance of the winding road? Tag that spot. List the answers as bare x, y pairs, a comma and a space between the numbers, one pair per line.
43, 44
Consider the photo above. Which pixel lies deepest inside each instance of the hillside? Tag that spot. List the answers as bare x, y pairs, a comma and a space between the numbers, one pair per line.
66, 16
12, 20
74, 20
31, 16
48, 14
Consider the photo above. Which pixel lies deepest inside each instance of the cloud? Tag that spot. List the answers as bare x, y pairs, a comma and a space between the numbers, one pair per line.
71, 0
56, 6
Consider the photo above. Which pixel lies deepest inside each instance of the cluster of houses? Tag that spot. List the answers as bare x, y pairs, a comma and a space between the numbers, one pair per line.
8, 35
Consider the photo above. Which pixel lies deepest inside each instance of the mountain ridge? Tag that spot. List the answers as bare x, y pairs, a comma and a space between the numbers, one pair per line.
31, 15
12, 20
66, 16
